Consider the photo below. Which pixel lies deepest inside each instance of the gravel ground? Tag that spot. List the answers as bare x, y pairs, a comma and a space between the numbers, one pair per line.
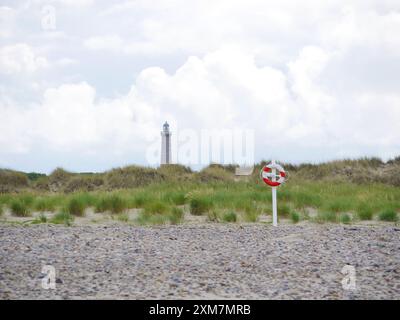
224, 261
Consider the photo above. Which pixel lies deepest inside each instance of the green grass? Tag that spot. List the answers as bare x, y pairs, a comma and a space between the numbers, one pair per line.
153, 216
295, 217
365, 212
250, 216
123, 217
176, 215
345, 218
156, 207
199, 206
42, 204
40, 219
76, 206
339, 205
140, 199
326, 216
151, 219
113, 203
19, 208
388, 215
229, 216
62, 217
284, 209
216, 197
213, 216
175, 197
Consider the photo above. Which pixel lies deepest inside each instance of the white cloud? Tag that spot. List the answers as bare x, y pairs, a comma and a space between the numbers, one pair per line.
64, 62
224, 89
71, 3
7, 21
108, 42
314, 80
20, 58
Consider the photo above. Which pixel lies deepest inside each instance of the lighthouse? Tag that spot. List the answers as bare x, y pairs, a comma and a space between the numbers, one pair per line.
165, 144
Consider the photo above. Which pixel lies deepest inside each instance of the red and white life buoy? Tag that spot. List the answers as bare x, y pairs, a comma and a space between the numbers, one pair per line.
266, 174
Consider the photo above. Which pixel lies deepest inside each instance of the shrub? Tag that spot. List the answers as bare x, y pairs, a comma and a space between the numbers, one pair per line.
131, 177
214, 174
345, 218
19, 208
58, 179
365, 212
42, 184
33, 176
12, 180
62, 217
295, 217
176, 215
388, 215
1, 209
175, 173
198, 206
83, 183
230, 217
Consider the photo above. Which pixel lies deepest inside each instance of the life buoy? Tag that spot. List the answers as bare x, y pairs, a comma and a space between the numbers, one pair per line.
266, 174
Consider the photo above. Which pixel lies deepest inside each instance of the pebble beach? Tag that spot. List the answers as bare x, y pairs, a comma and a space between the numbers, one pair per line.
204, 261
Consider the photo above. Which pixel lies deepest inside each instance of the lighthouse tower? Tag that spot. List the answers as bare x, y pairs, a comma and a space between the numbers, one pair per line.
165, 144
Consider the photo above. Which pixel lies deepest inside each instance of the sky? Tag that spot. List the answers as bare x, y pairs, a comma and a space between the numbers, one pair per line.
86, 85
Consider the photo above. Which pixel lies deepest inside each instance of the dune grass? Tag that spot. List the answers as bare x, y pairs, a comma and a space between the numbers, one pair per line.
365, 211
19, 208
76, 206
40, 219
230, 216
295, 216
388, 215
326, 216
123, 217
200, 205
156, 207
345, 218
62, 217
176, 215
161, 203
113, 203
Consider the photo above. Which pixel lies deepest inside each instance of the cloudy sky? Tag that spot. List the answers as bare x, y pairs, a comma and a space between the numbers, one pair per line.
87, 84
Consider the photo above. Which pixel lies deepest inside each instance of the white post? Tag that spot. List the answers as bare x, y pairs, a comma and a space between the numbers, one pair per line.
274, 205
